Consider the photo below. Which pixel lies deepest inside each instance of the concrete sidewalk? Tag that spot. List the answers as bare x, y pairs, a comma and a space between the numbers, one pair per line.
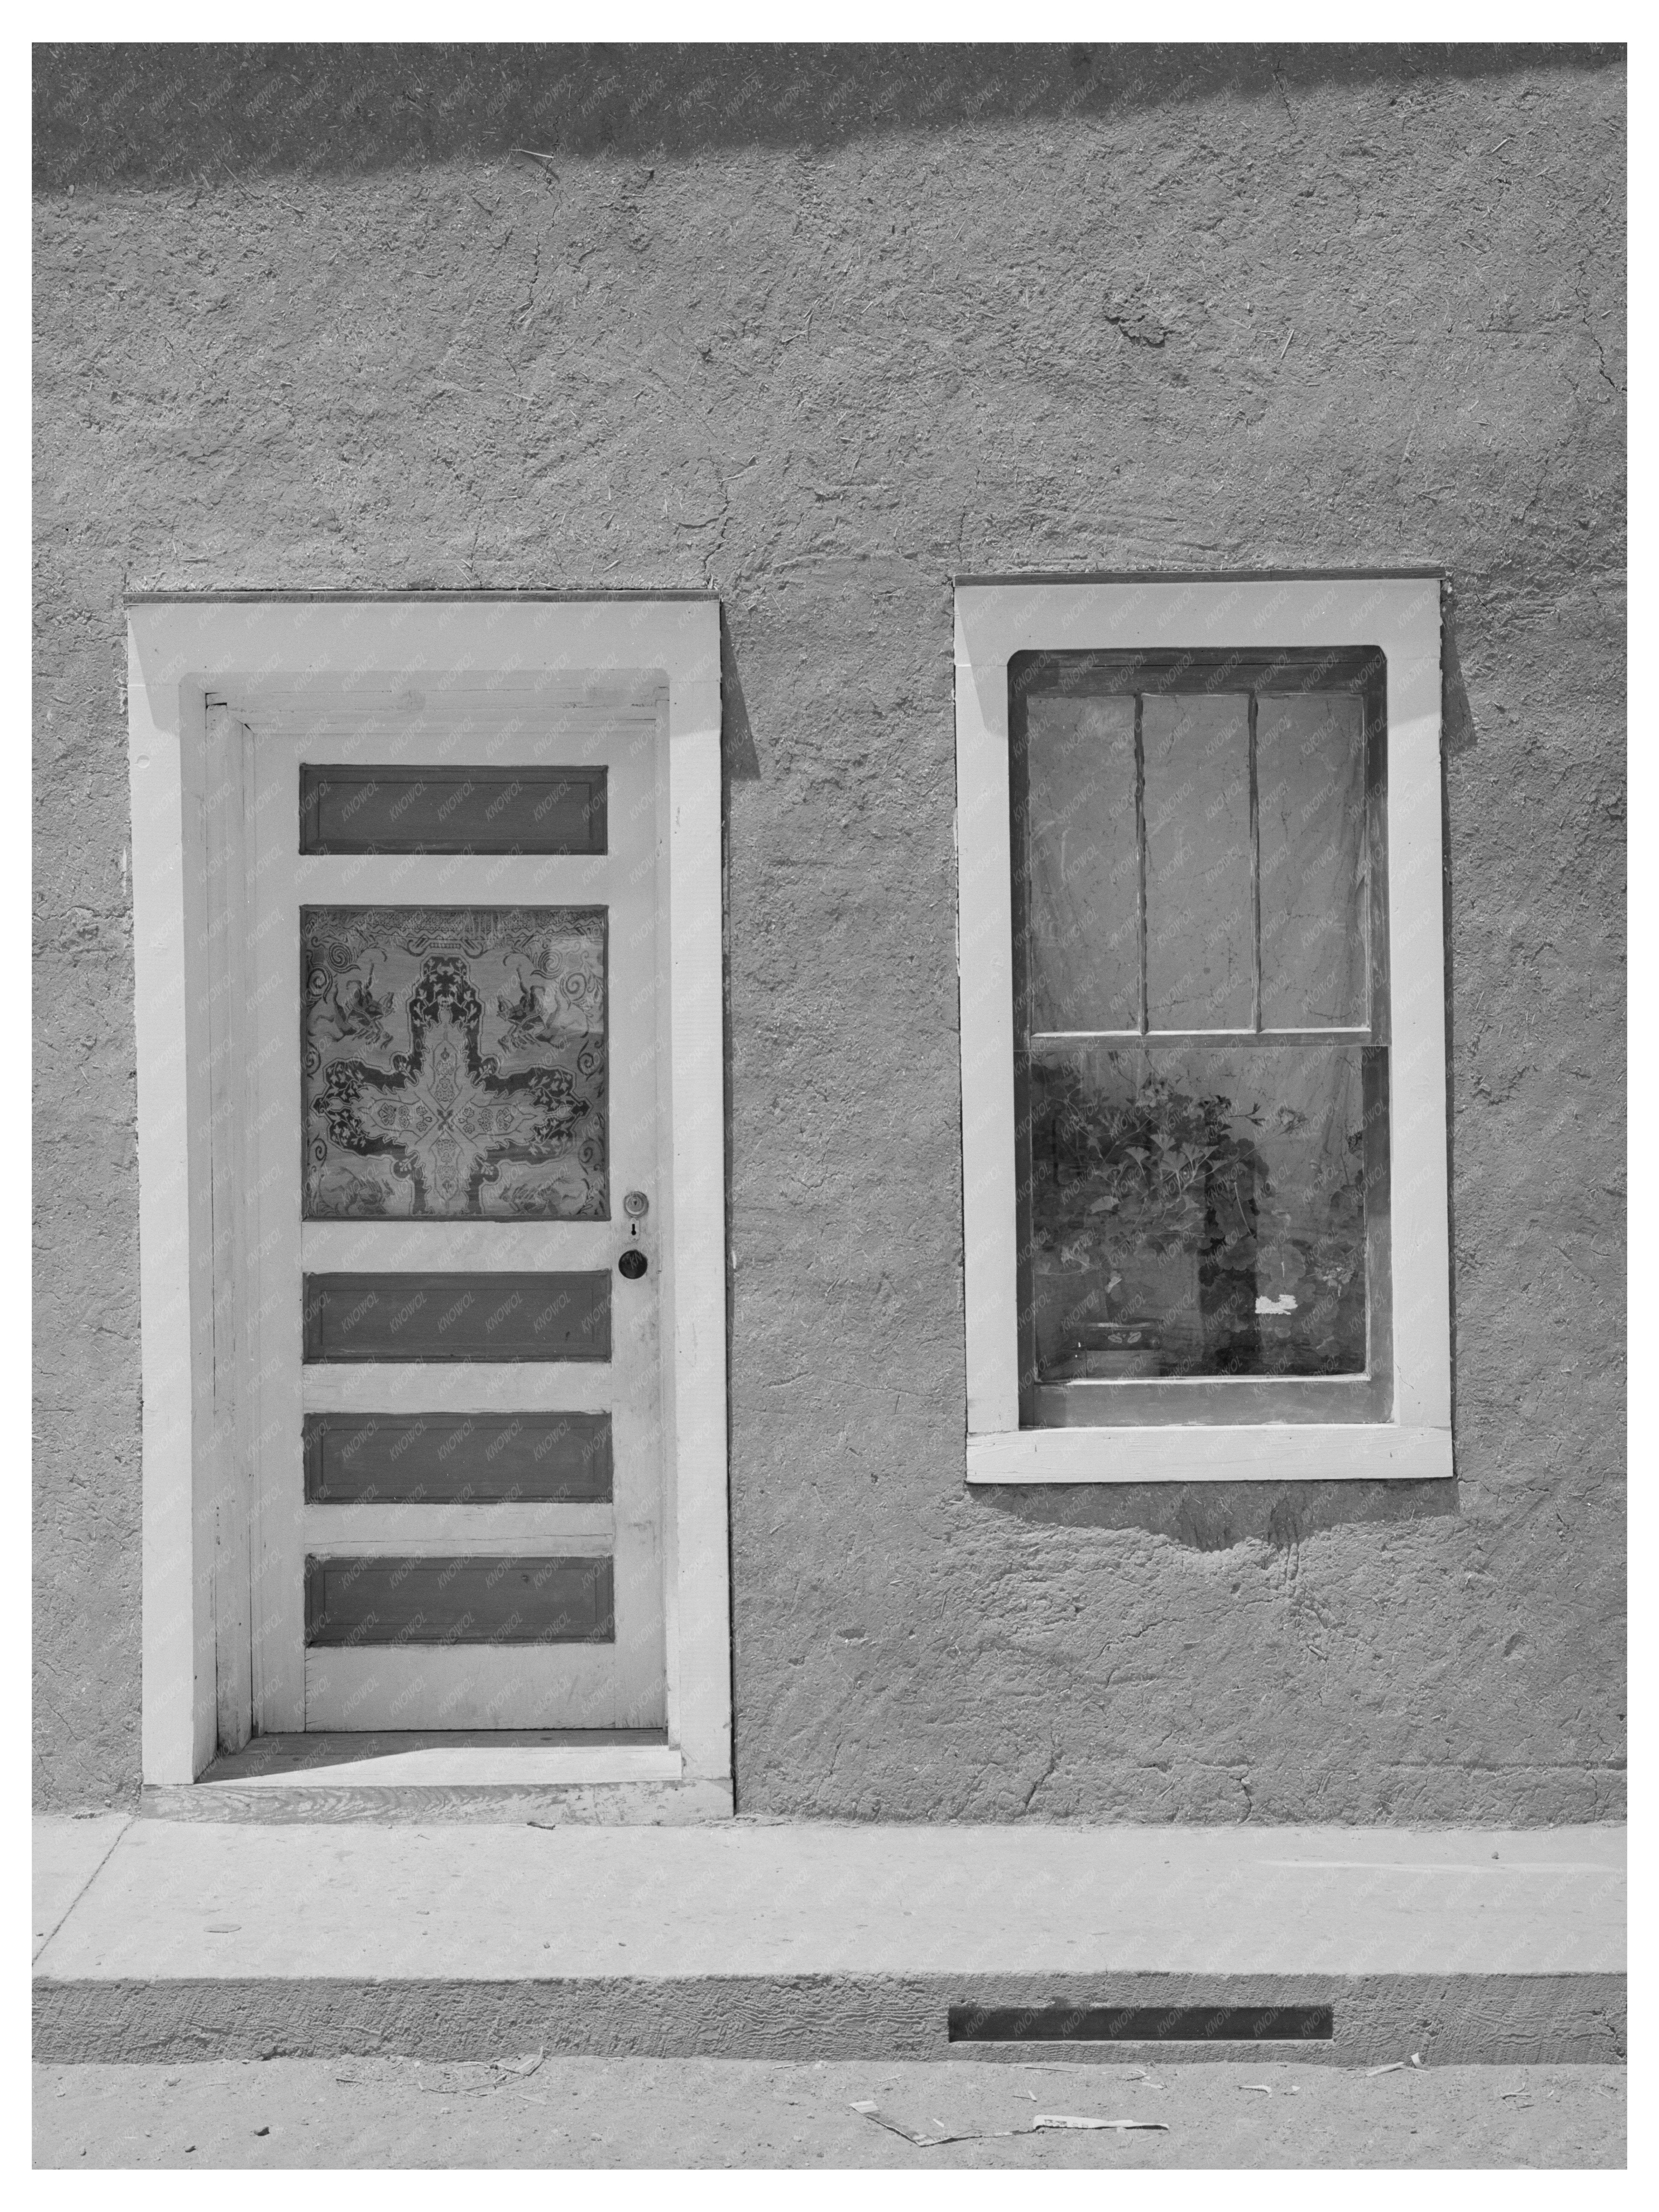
163, 1940
659, 2114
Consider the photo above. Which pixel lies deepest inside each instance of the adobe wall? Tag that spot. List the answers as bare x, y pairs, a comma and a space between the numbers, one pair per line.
815, 337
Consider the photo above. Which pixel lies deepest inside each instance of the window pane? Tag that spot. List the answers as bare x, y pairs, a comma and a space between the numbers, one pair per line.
1198, 1212
1310, 787
1084, 949
352, 809
1199, 972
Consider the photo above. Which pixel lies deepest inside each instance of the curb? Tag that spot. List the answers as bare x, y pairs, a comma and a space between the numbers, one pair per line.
1447, 2019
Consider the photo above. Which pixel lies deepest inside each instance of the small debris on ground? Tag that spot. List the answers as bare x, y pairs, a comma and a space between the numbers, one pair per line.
1120, 2127
872, 2110
1264, 2088
522, 2067
1042, 2121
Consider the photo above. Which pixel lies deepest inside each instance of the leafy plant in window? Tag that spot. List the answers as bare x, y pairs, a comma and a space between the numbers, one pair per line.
1156, 1224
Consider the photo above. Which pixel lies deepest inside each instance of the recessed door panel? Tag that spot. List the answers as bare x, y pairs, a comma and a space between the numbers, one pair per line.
463, 1459
457, 1316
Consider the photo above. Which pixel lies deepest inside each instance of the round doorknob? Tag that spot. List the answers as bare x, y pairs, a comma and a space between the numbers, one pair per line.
631, 1264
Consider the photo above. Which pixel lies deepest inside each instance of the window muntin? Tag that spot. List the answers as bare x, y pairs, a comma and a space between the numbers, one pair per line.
1201, 1078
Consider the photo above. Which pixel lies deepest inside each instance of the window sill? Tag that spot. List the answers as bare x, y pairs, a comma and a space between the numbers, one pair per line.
1346, 1452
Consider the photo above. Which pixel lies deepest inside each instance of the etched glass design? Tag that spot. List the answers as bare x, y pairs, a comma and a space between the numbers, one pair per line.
455, 1063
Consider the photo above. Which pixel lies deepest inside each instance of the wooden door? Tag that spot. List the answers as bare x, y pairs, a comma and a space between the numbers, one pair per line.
455, 1170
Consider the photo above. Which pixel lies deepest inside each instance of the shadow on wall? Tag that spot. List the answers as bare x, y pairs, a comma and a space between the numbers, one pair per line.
161, 114
1211, 1516
1458, 736
738, 757
1214, 1516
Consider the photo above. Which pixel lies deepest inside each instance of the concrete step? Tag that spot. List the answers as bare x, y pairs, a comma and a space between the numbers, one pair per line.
168, 1940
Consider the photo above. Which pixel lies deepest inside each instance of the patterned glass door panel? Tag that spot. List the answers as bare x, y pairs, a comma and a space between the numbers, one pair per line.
460, 1457
455, 1063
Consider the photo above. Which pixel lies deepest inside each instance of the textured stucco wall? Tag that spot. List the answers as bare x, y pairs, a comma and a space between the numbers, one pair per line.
815, 337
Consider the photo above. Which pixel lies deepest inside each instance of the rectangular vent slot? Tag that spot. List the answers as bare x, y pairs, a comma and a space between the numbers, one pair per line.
350, 809
1062, 2023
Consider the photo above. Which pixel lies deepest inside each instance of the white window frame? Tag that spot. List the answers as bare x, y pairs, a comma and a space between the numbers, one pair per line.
995, 619
185, 654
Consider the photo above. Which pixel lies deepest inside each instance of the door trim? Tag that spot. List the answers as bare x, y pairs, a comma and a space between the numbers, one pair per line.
185, 657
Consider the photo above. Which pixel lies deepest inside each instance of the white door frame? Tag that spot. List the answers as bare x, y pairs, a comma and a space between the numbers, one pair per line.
185, 654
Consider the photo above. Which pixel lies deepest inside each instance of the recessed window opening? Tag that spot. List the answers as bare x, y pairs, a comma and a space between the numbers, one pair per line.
1202, 1036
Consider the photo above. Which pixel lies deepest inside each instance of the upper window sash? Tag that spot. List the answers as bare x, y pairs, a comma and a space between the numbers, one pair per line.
1259, 682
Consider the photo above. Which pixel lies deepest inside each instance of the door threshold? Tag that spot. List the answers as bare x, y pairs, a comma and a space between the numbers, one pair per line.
613, 1775
442, 1758
447, 1759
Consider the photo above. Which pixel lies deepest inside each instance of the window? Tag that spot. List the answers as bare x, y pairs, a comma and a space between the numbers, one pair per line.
1202, 1030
